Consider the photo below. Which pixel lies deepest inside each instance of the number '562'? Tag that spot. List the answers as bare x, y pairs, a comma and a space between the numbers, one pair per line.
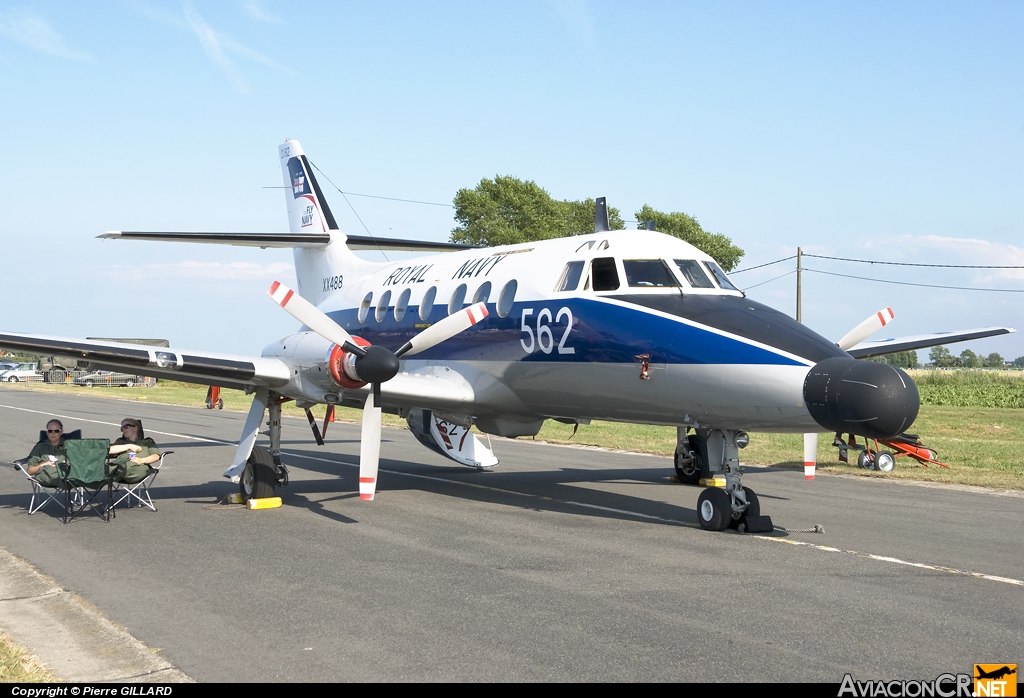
543, 340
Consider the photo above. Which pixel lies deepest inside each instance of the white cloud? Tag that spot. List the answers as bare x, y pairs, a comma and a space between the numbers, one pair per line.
217, 271
577, 16
36, 33
256, 9
969, 251
211, 44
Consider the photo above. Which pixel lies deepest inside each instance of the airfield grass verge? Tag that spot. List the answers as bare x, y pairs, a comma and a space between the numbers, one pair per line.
17, 665
983, 445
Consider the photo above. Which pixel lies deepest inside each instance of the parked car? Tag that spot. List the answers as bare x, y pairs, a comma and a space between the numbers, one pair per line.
22, 373
110, 378
7, 365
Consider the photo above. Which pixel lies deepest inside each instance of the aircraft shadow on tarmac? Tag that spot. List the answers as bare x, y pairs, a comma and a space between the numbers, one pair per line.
565, 489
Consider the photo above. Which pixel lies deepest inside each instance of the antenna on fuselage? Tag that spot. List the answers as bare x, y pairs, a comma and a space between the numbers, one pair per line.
601, 216
650, 225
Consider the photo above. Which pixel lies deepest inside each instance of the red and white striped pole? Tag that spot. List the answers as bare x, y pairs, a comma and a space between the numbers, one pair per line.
810, 455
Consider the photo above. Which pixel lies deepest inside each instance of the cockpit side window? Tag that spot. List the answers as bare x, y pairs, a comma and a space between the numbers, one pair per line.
570, 277
720, 276
648, 273
604, 274
694, 275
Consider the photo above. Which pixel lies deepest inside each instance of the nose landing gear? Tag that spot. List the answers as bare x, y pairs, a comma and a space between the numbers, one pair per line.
725, 503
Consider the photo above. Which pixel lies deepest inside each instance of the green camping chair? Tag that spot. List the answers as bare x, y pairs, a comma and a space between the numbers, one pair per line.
87, 477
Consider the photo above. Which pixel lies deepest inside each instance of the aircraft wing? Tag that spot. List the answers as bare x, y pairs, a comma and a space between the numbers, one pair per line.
878, 347
289, 240
207, 368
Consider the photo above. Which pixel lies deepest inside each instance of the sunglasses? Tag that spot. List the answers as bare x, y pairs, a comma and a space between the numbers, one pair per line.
53, 431
128, 426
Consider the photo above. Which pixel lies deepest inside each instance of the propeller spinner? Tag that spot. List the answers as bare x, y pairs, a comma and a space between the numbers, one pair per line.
371, 364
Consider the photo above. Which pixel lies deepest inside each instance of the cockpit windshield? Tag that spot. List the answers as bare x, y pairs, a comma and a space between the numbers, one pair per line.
720, 276
694, 275
648, 273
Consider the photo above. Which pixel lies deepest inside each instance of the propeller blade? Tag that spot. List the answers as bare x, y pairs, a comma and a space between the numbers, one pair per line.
369, 445
810, 455
311, 316
867, 328
445, 329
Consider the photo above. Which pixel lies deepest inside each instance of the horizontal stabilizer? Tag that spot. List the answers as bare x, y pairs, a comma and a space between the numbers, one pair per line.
878, 347
289, 240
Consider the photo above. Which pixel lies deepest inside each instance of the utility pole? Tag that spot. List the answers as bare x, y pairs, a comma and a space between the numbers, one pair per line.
799, 274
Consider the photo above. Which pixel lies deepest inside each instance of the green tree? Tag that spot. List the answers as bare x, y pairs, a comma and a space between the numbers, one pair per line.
687, 228
993, 360
506, 210
903, 359
940, 357
1019, 362
968, 359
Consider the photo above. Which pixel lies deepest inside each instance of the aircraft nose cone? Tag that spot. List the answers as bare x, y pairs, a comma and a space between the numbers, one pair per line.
379, 365
877, 401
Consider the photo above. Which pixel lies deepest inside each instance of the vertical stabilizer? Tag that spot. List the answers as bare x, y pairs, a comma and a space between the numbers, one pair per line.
318, 272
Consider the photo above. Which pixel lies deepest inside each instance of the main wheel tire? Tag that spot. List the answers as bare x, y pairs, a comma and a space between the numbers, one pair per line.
692, 472
866, 461
753, 509
885, 461
257, 481
714, 510
220, 404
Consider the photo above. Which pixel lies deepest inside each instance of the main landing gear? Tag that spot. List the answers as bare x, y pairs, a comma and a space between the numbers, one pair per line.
710, 457
264, 470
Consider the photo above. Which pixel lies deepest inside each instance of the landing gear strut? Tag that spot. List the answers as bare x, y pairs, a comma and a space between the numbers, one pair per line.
264, 470
725, 503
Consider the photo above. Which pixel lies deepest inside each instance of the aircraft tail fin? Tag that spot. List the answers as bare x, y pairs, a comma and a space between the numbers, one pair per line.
307, 208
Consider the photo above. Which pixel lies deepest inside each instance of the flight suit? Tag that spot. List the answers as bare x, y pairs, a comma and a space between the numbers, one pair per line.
42, 452
125, 469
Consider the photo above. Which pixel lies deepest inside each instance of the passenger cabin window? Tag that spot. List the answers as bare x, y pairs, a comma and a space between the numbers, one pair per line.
427, 304
364, 307
402, 304
458, 298
570, 277
483, 293
604, 275
720, 276
507, 297
648, 273
694, 275
382, 306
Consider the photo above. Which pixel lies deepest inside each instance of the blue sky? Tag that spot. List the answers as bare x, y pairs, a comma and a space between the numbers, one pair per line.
889, 131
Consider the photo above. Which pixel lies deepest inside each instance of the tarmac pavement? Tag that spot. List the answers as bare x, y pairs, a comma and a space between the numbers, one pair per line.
563, 564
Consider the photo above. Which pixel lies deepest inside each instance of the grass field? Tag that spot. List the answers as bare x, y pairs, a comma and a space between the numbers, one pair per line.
982, 444
18, 666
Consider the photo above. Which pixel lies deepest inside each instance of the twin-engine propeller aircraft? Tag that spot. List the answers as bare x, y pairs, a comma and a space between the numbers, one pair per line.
627, 325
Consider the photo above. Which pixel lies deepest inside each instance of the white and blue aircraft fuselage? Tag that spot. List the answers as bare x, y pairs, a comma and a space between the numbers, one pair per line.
628, 325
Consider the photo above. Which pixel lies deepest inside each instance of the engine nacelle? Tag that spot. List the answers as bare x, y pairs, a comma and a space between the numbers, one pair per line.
341, 365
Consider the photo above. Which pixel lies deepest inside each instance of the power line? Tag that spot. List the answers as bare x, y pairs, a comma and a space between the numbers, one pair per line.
353, 209
907, 283
907, 264
788, 273
765, 265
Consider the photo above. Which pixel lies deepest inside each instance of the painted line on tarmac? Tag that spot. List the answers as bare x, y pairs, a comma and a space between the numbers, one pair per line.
118, 424
649, 517
898, 561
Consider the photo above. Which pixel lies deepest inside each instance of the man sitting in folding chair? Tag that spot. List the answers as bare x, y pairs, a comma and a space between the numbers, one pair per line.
136, 466
46, 465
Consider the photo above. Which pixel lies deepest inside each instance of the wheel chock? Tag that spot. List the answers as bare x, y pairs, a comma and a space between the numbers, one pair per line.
712, 482
758, 524
268, 503
235, 498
